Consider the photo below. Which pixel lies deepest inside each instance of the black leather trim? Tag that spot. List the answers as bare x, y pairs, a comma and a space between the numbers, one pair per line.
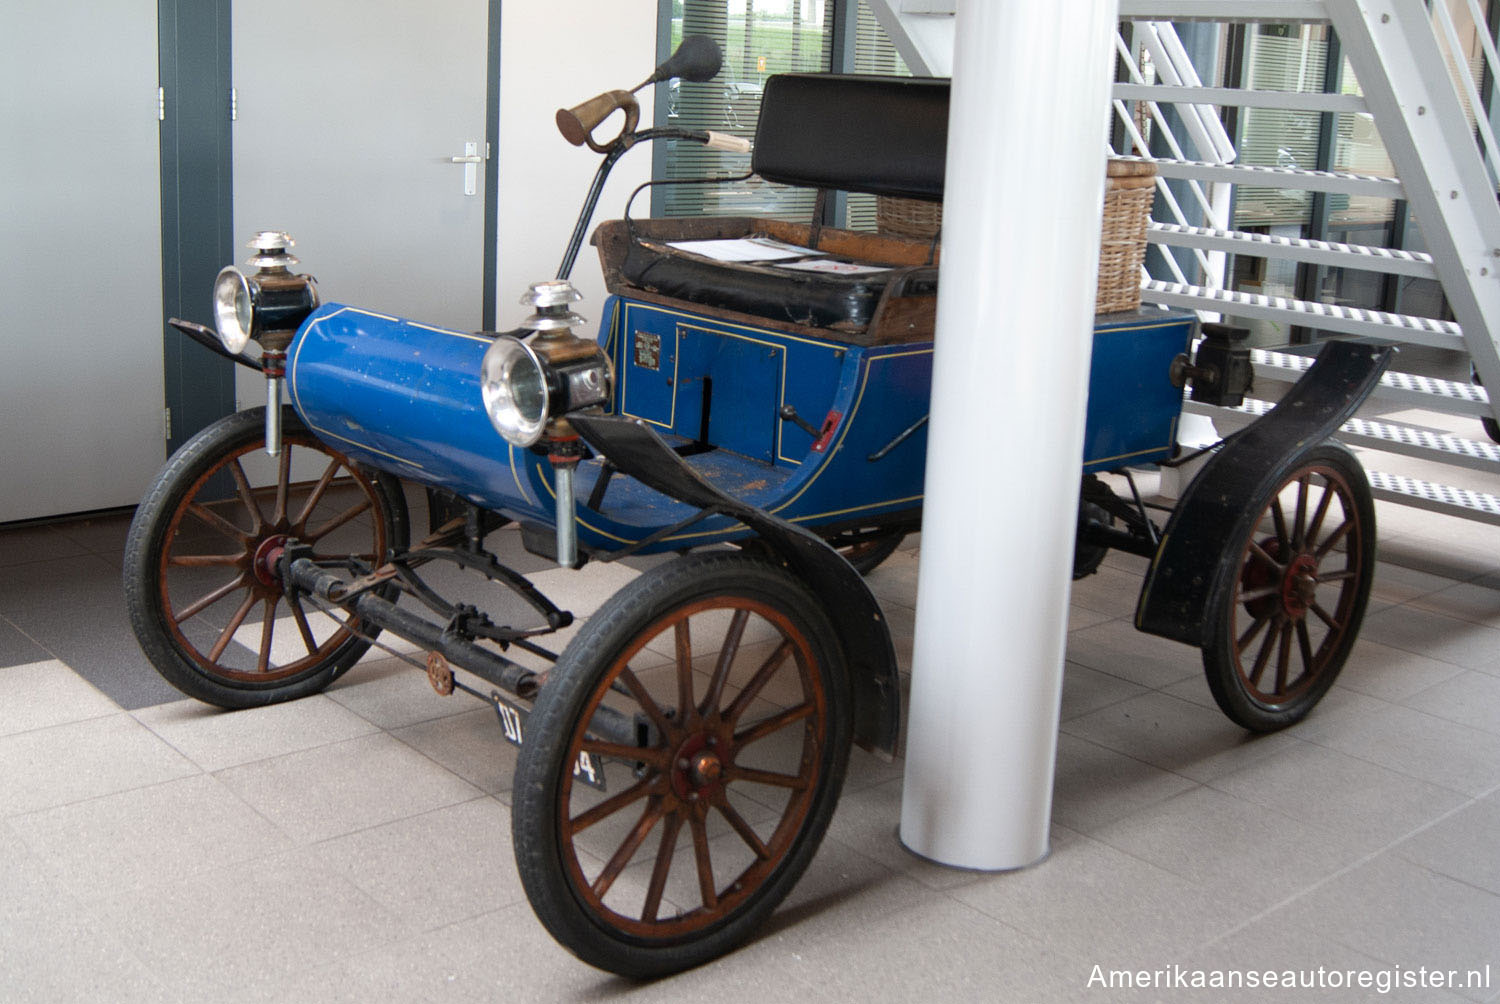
881, 135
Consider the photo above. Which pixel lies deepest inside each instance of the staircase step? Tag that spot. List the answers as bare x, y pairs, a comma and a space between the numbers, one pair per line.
1243, 11
1302, 101
1321, 316
1446, 499
1330, 253
1260, 176
1406, 389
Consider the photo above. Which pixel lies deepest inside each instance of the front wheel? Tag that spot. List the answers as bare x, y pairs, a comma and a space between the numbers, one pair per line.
736, 686
202, 585
1291, 591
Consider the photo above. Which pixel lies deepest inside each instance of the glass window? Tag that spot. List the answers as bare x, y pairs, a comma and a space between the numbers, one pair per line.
758, 38
1280, 57
873, 53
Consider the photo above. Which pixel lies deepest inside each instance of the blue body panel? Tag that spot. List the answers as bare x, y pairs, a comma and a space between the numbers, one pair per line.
404, 397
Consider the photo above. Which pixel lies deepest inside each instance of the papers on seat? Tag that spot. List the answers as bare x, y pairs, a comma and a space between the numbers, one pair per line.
744, 249
832, 267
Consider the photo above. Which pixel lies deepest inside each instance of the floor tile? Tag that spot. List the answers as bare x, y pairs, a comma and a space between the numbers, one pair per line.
1118, 649
1085, 690
1470, 601
1370, 909
1461, 845
470, 744
1189, 739
214, 738
1434, 635
1415, 744
75, 609
1095, 786
1395, 583
39, 542
340, 788
393, 694
1389, 673
1356, 801
136, 839
433, 869
67, 763
246, 926
1238, 851
40, 694
1111, 591
15, 648
1092, 901
1470, 698
869, 820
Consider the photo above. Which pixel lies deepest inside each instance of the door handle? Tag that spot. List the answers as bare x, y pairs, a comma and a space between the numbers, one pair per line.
471, 161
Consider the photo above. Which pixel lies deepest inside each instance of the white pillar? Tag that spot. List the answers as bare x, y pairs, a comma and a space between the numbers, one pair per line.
1025, 183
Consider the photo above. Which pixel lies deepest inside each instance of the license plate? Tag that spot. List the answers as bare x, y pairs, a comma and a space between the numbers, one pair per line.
590, 766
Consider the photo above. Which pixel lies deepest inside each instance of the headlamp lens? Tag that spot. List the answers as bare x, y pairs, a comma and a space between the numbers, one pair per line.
514, 389
234, 309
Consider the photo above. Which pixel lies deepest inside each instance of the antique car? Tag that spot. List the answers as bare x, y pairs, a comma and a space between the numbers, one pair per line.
754, 402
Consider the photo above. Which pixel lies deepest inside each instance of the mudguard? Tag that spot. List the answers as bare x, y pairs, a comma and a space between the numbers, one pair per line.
1175, 595
636, 450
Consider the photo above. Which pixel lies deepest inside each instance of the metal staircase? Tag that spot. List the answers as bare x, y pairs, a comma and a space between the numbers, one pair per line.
1416, 86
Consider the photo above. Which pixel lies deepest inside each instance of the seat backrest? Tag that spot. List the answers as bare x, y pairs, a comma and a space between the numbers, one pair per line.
880, 135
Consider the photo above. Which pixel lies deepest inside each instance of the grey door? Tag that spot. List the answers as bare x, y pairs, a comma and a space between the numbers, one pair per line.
81, 403
348, 115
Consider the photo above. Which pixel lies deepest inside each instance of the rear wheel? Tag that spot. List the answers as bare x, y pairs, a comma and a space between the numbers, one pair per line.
1292, 590
736, 690
202, 586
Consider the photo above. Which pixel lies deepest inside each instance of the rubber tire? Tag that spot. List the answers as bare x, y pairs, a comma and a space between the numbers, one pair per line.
146, 538
538, 847
1219, 663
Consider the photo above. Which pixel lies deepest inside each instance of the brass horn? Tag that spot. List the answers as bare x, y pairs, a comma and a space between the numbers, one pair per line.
578, 123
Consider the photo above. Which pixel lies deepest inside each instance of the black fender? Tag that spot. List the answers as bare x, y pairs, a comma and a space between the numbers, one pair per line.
635, 449
1175, 595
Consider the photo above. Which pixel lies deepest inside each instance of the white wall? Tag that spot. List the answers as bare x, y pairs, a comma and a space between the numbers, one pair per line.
555, 55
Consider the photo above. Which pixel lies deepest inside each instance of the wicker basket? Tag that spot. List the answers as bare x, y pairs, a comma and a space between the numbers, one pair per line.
1129, 190
1128, 194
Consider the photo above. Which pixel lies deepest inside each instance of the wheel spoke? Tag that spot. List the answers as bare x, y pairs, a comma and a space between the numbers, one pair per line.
794, 781
242, 487
669, 831
1261, 593
1304, 643
1250, 633
207, 600
611, 805
1322, 511
762, 676
627, 849
1343, 575
300, 523
741, 827
1333, 539
1264, 654
212, 519
233, 626
653, 711
267, 629
727, 652
1299, 525
705, 864
1323, 616
283, 481
1279, 518
337, 521
773, 724
1283, 658
303, 628
1260, 552
683, 646
207, 560
652, 756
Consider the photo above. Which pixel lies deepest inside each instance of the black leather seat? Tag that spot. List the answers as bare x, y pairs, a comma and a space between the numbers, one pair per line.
877, 135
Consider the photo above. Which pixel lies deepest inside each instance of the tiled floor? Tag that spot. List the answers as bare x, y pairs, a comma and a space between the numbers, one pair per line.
355, 845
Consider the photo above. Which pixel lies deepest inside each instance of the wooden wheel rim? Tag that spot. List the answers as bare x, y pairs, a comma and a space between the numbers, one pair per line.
661, 789
1281, 614
252, 555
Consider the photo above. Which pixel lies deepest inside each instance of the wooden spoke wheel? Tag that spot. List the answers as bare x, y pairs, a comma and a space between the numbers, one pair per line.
202, 584
734, 688
1292, 591
866, 548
